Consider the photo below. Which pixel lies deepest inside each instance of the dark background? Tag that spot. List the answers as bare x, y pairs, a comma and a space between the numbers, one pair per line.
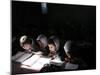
68, 22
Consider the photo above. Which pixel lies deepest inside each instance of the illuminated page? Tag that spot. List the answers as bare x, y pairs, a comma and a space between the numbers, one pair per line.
24, 57
21, 56
38, 64
31, 60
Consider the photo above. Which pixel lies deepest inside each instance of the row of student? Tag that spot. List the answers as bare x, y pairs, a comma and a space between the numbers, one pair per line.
49, 48
41, 44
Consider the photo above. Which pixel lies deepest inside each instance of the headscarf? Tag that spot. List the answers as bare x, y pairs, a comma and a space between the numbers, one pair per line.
26, 39
56, 41
43, 39
67, 46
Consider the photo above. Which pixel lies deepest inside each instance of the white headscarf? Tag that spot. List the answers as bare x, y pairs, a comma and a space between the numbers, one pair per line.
56, 41
43, 39
67, 46
24, 38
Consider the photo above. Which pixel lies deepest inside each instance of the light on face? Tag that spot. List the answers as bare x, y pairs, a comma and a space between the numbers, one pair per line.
52, 47
27, 47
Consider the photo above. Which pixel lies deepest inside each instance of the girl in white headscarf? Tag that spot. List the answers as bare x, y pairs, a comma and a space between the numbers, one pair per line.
26, 43
42, 41
55, 61
71, 61
42, 44
53, 45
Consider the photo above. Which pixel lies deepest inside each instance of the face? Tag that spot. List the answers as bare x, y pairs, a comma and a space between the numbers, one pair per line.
27, 47
52, 47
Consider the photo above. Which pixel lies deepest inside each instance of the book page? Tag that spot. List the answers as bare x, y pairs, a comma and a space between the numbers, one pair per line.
21, 56
24, 57
31, 60
38, 63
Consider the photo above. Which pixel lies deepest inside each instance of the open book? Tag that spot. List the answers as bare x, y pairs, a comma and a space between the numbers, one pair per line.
36, 62
21, 56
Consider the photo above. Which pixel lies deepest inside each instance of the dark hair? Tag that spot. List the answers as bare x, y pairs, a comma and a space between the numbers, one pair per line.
28, 41
50, 41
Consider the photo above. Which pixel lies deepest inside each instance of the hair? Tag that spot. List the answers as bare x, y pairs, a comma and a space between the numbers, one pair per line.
50, 41
27, 41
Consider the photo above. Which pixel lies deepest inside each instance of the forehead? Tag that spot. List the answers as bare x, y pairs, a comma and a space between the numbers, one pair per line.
26, 44
51, 45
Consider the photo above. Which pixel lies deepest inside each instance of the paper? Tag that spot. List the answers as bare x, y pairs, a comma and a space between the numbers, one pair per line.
21, 56
31, 60
40, 63
36, 62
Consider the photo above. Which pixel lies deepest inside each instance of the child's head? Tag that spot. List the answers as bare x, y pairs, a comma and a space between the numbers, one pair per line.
42, 41
53, 43
51, 46
67, 49
67, 46
26, 43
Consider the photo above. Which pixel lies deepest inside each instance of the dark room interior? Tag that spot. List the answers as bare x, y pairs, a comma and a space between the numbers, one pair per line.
67, 21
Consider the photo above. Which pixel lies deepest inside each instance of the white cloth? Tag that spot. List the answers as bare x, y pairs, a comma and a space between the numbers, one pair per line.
70, 66
56, 41
67, 46
43, 39
57, 61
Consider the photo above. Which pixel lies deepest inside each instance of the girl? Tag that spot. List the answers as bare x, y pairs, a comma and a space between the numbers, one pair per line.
72, 62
